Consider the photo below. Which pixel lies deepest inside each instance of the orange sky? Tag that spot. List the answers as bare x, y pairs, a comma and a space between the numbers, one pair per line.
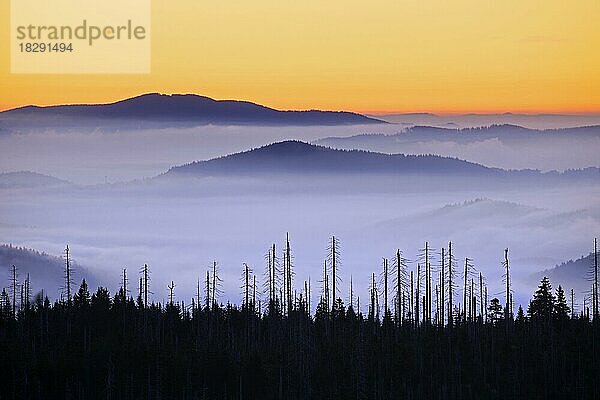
368, 56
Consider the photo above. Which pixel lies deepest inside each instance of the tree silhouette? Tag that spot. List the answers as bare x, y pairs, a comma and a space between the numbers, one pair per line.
561, 309
81, 299
495, 310
107, 346
541, 306
520, 316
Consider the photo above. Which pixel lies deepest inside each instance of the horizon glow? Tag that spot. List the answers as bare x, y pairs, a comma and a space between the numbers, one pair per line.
373, 58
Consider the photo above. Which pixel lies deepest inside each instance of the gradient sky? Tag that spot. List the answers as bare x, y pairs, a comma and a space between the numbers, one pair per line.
366, 56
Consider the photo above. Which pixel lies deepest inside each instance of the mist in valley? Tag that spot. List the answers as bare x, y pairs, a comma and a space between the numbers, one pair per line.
116, 213
179, 228
109, 152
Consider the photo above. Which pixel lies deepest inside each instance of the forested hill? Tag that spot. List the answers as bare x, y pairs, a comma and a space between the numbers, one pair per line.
503, 133
28, 179
299, 157
576, 274
45, 271
296, 157
187, 108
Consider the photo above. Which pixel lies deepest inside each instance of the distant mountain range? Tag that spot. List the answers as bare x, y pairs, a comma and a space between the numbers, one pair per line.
191, 109
535, 121
181, 109
309, 160
504, 133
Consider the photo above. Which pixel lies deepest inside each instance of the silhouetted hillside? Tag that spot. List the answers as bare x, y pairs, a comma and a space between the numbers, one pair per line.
295, 157
504, 133
576, 274
536, 121
300, 157
469, 213
191, 108
27, 179
45, 271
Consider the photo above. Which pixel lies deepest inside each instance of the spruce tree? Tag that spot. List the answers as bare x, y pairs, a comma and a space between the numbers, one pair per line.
561, 309
541, 306
520, 316
495, 310
82, 298
101, 300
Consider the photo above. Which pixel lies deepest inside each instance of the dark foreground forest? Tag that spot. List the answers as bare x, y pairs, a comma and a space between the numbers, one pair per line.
93, 345
98, 347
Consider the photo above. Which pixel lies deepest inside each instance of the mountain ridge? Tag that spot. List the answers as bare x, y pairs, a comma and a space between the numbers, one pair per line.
194, 108
570, 274
29, 179
297, 156
500, 131
46, 271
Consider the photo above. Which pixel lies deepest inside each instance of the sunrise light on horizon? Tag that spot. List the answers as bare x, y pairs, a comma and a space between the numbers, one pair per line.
368, 57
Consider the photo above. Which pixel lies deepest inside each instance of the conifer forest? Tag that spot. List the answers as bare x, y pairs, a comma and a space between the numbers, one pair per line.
428, 330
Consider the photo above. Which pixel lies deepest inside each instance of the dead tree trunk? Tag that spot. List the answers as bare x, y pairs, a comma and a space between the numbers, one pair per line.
572, 304
437, 305
325, 286
171, 287
214, 285
145, 285
333, 270
465, 290
595, 307
481, 295
207, 289
14, 291
269, 273
450, 272
443, 290
427, 308
472, 303
309, 296
399, 287
372, 313
198, 302
254, 293
125, 283
508, 302
351, 293
288, 253
412, 301
246, 282
418, 292
385, 287
486, 305
68, 275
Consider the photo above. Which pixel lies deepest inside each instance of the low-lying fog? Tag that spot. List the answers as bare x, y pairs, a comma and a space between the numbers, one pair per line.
179, 230
112, 155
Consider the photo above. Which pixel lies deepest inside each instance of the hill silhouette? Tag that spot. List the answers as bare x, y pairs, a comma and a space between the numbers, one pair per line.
296, 157
299, 157
45, 271
576, 274
191, 108
538, 121
504, 133
28, 179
